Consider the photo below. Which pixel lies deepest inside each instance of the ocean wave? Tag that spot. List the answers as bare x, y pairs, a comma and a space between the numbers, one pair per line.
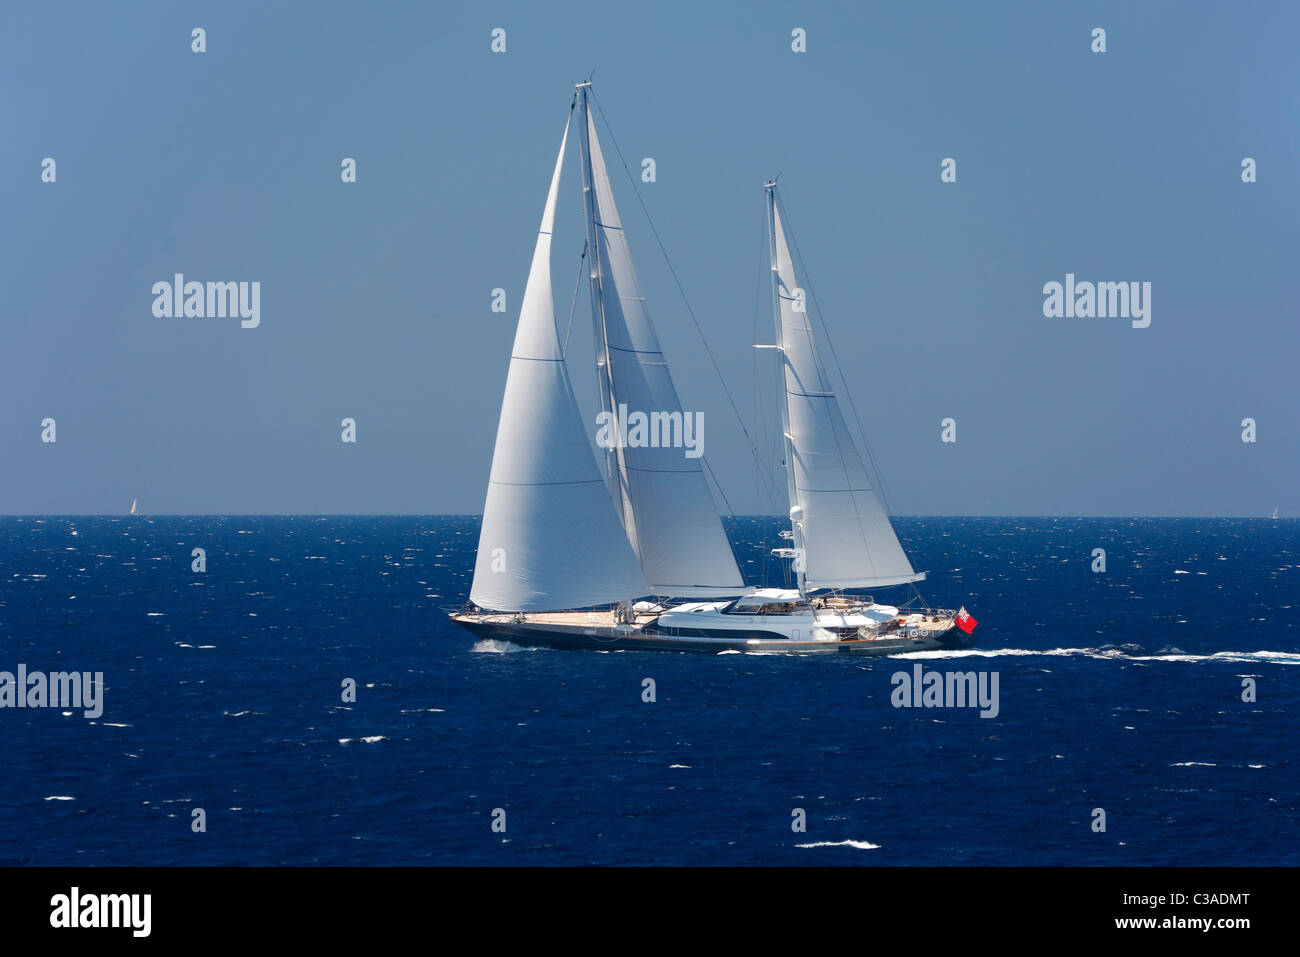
860, 845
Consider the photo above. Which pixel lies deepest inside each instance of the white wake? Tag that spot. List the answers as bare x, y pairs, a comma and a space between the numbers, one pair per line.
1269, 657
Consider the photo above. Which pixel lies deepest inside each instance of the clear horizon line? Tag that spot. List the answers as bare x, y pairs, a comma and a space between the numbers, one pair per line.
778, 516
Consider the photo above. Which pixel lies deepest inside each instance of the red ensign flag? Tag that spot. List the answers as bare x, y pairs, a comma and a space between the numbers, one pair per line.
965, 621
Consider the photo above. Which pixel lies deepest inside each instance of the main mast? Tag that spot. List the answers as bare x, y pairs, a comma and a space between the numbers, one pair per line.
615, 467
796, 511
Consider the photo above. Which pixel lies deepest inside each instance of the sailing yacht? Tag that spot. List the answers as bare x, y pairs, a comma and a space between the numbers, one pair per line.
135, 506
577, 552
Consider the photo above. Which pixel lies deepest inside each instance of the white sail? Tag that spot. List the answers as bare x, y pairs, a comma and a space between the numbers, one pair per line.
845, 534
550, 538
667, 508
135, 503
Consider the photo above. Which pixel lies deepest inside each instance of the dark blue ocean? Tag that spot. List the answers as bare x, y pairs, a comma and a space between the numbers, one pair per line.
1120, 691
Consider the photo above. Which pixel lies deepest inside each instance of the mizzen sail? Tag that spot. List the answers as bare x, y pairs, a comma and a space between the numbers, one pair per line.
845, 535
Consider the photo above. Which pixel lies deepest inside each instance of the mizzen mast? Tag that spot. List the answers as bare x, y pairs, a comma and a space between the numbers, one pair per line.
796, 513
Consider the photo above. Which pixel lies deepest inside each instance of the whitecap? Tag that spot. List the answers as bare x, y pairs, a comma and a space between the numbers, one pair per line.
860, 845
494, 646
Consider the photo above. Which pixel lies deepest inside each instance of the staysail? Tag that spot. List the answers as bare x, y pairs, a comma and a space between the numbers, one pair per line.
550, 539
660, 492
845, 535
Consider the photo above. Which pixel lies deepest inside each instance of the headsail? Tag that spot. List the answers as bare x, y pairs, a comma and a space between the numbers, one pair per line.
665, 503
550, 539
845, 535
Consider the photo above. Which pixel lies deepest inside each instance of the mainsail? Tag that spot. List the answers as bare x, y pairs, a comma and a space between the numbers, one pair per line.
549, 539
844, 533
660, 493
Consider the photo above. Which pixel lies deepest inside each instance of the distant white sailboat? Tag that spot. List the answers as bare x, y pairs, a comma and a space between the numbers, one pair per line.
135, 506
1275, 512
559, 539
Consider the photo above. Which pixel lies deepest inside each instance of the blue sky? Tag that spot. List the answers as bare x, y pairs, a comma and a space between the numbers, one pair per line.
376, 295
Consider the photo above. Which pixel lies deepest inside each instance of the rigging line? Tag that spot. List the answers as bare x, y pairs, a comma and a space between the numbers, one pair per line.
680, 289
924, 604
574, 305
718, 485
879, 480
